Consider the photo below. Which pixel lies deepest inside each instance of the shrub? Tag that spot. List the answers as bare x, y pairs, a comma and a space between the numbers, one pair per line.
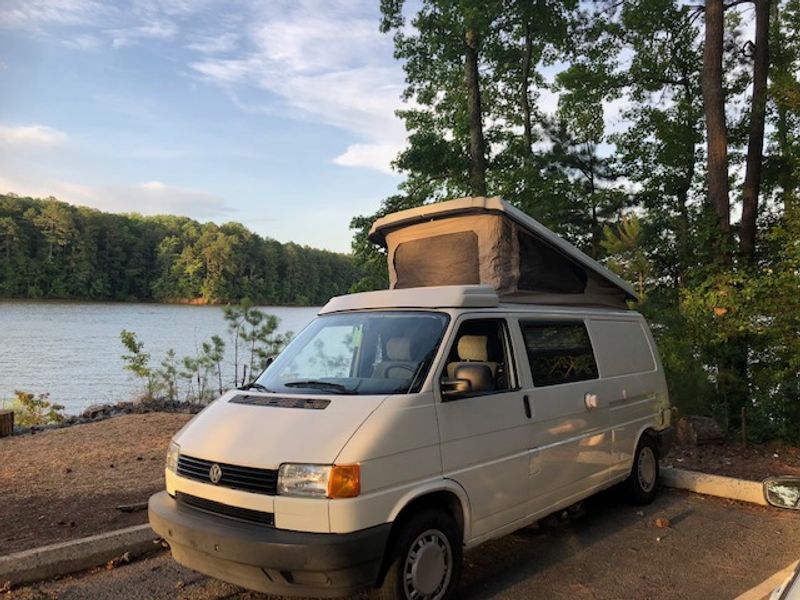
30, 409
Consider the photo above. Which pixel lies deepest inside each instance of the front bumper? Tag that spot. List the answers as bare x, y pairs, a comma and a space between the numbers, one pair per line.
269, 560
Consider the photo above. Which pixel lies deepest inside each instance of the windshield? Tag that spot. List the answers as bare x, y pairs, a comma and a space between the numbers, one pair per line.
359, 353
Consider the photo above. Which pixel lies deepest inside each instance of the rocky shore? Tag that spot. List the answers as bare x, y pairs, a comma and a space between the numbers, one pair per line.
99, 412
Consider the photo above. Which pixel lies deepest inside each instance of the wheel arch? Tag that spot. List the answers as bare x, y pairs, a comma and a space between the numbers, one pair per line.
445, 495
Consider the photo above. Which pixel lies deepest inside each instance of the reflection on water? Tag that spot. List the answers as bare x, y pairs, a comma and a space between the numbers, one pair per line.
72, 349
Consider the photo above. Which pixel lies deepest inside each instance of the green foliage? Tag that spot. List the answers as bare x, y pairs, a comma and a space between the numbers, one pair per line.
201, 377
137, 361
166, 376
634, 198
628, 257
31, 410
255, 330
49, 249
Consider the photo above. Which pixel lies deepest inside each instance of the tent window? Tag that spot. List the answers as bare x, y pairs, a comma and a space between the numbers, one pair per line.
450, 259
543, 269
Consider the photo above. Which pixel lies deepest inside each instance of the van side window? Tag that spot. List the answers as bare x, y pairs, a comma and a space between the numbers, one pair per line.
483, 341
558, 352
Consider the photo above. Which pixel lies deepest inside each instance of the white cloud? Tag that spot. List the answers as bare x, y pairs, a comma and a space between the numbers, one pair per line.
83, 42
149, 198
162, 30
31, 135
325, 63
32, 14
215, 44
374, 156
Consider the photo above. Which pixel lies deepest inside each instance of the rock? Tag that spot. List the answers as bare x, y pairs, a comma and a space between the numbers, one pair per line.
695, 431
97, 410
662, 523
125, 407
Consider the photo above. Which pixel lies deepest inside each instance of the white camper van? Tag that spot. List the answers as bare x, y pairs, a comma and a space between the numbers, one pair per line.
500, 379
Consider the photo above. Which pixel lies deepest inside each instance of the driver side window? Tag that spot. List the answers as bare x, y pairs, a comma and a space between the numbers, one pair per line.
479, 343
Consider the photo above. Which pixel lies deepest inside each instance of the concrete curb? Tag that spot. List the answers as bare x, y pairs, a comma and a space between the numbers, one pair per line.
714, 485
764, 589
76, 555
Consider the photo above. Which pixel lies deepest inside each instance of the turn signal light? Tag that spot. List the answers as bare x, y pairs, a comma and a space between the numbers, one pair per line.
344, 481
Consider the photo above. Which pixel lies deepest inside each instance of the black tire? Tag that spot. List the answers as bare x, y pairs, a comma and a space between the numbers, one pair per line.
642, 484
435, 539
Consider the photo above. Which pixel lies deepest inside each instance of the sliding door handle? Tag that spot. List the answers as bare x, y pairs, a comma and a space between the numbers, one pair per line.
527, 405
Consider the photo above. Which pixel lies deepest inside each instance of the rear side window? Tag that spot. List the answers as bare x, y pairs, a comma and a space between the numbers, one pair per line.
623, 348
558, 352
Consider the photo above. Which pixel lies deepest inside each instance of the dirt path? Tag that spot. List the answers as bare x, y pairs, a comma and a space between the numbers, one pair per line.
65, 483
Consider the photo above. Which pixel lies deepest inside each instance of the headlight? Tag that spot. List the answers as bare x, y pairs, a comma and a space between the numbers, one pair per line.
319, 481
303, 480
172, 457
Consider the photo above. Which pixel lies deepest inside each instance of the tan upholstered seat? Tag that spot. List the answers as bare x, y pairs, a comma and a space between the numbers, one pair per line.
398, 363
472, 349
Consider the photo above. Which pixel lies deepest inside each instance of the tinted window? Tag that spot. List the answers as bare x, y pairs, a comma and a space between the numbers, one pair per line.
558, 352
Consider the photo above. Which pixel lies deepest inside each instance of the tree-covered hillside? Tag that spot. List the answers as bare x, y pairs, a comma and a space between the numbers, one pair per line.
50, 249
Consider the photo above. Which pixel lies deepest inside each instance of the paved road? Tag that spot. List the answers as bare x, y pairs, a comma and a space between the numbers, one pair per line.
714, 549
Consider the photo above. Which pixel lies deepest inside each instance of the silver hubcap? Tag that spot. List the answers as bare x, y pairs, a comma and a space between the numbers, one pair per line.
428, 566
646, 469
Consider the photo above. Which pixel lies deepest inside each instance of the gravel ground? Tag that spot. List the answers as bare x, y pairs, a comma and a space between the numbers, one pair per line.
713, 549
65, 483
734, 460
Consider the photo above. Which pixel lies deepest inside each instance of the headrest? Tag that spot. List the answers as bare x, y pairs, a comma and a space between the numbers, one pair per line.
398, 348
473, 347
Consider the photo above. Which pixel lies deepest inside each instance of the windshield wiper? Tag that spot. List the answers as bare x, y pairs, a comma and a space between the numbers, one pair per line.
255, 386
321, 385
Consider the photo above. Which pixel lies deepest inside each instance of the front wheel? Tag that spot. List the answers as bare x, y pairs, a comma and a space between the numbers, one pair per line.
425, 560
641, 483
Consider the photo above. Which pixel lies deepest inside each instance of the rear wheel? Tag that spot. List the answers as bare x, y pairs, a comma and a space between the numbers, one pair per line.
642, 482
425, 560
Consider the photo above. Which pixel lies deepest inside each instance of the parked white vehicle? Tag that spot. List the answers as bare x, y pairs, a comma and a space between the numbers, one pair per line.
404, 426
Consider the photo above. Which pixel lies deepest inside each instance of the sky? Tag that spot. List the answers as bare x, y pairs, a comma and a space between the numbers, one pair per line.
277, 114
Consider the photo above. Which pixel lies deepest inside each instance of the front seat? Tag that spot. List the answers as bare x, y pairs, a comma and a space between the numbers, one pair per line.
472, 349
398, 363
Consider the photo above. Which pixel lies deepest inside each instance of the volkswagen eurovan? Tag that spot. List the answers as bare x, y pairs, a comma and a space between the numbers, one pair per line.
404, 426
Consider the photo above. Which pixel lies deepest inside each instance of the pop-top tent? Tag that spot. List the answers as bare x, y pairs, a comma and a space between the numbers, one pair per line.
487, 241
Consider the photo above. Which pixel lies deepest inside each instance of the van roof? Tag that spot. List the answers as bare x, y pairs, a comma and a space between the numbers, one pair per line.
446, 296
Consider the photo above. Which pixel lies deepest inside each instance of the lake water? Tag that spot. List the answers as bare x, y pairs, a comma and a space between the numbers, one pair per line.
72, 349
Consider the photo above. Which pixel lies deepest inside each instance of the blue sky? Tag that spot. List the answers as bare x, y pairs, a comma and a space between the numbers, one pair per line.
276, 114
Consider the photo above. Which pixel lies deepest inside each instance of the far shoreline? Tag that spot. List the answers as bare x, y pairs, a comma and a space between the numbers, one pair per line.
184, 302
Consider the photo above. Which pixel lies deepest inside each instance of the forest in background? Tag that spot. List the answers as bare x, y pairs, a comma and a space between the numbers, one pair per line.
50, 249
691, 193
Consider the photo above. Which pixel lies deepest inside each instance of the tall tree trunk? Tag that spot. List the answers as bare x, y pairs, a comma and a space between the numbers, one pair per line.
477, 148
716, 129
755, 145
682, 232
525, 100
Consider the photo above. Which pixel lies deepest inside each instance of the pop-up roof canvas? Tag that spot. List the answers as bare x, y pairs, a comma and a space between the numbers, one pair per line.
487, 241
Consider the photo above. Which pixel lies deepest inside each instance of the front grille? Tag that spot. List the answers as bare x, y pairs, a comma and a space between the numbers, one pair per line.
259, 481
234, 512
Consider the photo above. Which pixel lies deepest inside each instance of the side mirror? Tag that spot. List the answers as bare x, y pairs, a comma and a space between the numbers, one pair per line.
468, 379
783, 492
454, 388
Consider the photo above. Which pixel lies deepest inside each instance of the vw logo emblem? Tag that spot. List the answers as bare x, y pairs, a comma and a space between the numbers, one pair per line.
215, 473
